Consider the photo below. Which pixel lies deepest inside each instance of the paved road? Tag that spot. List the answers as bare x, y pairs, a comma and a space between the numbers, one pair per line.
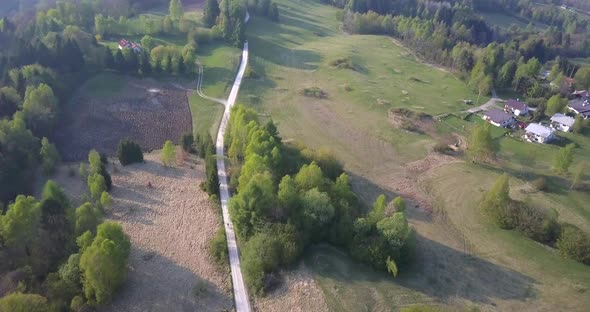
240, 291
486, 105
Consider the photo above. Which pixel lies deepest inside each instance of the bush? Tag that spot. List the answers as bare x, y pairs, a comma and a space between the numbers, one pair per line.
442, 148
540, 184
129, 152
315, 92
574, 244
344, 62
218, 247
187, 142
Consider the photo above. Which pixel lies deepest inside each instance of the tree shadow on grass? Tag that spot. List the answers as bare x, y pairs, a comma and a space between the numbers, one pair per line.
157, 283
437, 271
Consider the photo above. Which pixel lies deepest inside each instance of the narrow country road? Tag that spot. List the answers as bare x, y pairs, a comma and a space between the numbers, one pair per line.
486, 105
240, 291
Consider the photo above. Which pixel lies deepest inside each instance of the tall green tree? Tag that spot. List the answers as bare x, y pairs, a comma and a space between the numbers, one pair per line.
583, 78
88, 217
176, 9
49, 157
40, 108
19, 302
496, 202
210, 13
481, 145
168, 153
555, 104
104, 263
564, 158
21, 222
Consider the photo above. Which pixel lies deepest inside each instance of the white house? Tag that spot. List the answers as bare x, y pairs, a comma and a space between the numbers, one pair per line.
538, 133
516, 107
562, 122
499, 118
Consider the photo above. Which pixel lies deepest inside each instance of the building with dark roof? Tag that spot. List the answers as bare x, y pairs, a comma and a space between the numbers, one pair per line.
516, 107
499, 118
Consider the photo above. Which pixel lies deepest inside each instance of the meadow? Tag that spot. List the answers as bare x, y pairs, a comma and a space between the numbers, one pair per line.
462, 261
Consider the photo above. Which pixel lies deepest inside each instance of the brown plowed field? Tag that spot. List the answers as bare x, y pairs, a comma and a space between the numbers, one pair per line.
145, 111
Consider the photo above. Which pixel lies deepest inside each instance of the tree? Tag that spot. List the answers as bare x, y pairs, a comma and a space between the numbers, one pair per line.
168, 153
394, 230
88, 217
104, 263
288, 197
399, 204
40, 108
96, 185
579, 124
108, 59
251, 206
21, 222
105, 200
147, 43
9, 101
564, 158
210, 13
496, 203
555, 104
129, 152
574, 244
318, 211
579, 172
49, 157
583, 78
19, 302
187, 142
310, 176
211, 185
482, 146
273, 12
176, 9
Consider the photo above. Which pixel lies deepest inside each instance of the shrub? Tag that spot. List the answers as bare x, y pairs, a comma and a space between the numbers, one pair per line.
129, 152
187, 142
343, 62
315, 92
540, 184
574, 244
168, 153
442, 148
218, 247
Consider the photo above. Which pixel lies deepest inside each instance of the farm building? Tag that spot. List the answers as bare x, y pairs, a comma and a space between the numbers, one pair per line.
562, 122
125, 44
516, 107
580, 106
499, 118
538, 133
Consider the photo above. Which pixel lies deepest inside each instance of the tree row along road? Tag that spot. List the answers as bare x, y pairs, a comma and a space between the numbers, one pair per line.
240, 291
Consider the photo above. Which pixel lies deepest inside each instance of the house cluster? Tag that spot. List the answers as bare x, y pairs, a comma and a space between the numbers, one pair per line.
534, 132
125, 44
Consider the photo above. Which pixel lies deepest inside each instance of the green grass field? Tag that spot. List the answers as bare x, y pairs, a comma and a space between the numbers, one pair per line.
506, 21
353, 121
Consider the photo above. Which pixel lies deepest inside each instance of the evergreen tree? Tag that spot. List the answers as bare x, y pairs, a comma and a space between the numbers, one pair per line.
145, 66
108, 59
176, 9
210, 13
119, 61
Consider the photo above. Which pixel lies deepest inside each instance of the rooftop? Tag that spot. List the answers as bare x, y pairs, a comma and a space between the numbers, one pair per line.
540, 130
581, 105
515, 104
563, 119
498, 116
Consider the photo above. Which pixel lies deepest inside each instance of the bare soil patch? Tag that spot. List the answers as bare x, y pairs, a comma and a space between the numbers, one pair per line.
298, 292
146, 111
170, 224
